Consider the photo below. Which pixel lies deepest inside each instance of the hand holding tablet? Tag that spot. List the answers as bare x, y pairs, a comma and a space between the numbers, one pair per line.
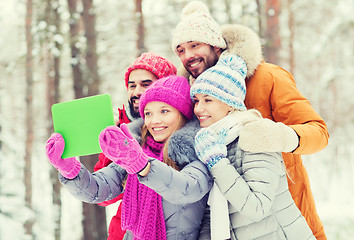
80, 122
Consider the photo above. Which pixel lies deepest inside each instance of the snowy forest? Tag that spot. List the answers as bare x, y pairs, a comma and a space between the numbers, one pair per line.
59, 50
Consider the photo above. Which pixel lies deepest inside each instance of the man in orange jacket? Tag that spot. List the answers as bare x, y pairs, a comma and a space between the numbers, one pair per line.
145, 70
290, 126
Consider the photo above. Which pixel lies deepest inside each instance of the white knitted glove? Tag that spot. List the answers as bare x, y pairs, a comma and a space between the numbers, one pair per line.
210, 148
265, 135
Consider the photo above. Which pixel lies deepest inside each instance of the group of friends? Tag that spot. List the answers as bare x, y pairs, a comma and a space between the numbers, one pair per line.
213, 152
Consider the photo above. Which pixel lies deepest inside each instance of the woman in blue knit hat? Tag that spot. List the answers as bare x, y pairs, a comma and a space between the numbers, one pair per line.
250, 197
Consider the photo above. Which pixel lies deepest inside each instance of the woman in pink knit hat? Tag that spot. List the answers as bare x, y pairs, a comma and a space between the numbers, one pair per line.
166, 189
144, 71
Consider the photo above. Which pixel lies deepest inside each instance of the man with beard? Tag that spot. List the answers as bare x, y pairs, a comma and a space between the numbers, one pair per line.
290, 124
138, 77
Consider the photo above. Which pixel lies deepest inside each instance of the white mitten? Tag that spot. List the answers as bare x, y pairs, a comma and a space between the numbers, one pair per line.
265, 135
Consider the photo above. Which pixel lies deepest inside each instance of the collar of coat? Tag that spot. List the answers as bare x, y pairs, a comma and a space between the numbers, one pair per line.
126, 108
245, 43
181, 143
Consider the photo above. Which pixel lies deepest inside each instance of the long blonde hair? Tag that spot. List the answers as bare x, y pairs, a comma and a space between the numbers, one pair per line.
166, 159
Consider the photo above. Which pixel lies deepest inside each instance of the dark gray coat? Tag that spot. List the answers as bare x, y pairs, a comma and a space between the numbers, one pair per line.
184, 193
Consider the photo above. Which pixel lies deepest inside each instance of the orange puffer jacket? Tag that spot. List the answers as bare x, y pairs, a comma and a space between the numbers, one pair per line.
272, 91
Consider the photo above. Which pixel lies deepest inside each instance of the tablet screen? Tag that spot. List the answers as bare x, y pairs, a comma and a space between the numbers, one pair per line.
80, 122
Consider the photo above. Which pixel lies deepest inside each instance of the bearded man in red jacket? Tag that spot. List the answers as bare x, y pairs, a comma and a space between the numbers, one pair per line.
138, 77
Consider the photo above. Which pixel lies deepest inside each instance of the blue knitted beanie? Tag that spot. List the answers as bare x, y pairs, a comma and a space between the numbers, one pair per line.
225, 81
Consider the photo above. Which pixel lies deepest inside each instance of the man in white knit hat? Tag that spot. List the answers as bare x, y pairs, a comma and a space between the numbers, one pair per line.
291, 125
197, 32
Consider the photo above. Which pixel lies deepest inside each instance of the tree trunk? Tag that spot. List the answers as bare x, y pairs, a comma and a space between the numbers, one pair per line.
29, 119
228, 11
140, 42
209, 3
52, 62
272, 47
291, 37
94, 216
260, 17
92, 79
75, 51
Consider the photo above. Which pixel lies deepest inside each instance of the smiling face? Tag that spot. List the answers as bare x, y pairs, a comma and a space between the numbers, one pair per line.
209, 110
197, 57
139, 81
161, 120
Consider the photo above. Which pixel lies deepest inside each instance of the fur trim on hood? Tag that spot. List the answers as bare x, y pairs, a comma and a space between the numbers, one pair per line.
245, 43
181, 143
241, 41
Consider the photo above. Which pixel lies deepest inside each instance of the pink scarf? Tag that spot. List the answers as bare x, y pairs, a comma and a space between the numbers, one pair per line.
142, 211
